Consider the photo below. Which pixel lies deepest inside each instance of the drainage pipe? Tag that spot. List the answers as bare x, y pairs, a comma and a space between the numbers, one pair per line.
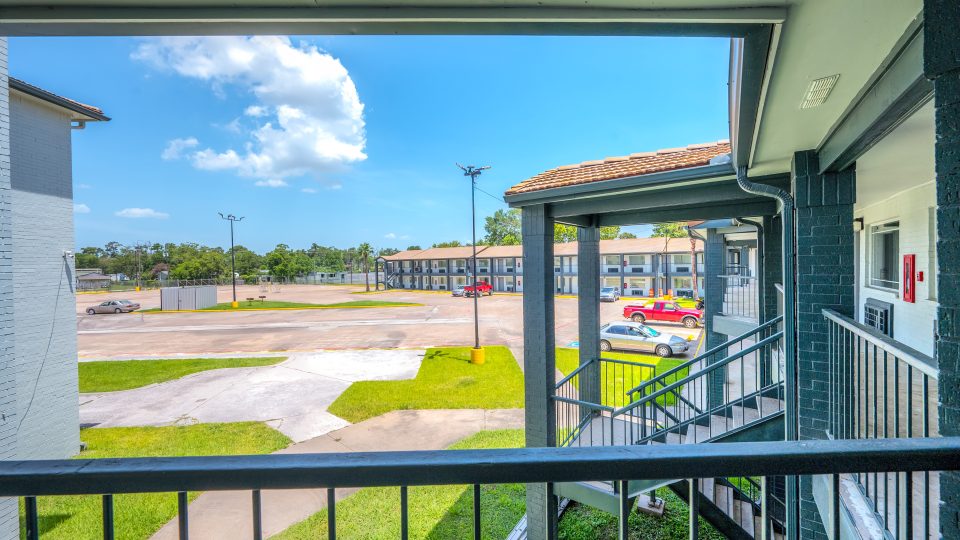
785, 205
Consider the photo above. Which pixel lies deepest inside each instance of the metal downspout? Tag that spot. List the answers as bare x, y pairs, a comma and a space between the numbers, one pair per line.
786, 207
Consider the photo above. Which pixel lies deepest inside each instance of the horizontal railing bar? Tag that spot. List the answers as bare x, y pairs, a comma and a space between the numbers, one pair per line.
700, 374
910, 356
626, 362
737, 276
573, 401
464, 467
705, 354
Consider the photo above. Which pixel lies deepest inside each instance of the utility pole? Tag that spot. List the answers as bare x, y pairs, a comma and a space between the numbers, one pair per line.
476, 355
139, 267
233, 259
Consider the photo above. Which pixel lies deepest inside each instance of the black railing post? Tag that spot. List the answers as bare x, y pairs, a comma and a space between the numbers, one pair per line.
332, 513
694, 504
257, 515
108, 517
31, 518
183, 520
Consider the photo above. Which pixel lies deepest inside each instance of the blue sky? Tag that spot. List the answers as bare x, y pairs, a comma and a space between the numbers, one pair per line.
359, 137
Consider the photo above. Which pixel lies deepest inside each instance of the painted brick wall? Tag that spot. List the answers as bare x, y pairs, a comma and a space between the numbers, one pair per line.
9, 522
825, 262
45, 349
942, 64
714, 267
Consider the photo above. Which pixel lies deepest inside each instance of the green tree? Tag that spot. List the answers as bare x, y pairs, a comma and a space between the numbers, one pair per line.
668, 231
626, 235
609, 233
451, 243
207, 264
364, 251
414, 247
564, 233
503, 228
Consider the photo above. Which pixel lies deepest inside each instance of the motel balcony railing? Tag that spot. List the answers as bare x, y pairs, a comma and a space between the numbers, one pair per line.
740, 296
881, 389
406, 470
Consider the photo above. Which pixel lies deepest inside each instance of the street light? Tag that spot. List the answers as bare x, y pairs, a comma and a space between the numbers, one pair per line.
476, 354
233, 259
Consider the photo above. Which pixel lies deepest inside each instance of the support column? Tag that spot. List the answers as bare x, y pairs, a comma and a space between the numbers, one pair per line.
539, 361
825, 264
941, 36
588, 309
770, 269
714, 261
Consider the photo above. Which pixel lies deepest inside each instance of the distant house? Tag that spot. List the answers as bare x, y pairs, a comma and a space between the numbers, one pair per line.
93, 281
38, 369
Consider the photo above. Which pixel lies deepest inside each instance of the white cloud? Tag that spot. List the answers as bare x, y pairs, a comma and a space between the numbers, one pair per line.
80, 208
309, 190
335, 186
390, 236
177, 147
273, 182
141, 213
84, 186
394, 236
308, 118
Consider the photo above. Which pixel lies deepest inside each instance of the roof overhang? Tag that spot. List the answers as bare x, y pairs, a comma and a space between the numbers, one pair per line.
79, 112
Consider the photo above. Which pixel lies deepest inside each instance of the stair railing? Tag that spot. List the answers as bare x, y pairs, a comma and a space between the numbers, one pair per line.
713, 403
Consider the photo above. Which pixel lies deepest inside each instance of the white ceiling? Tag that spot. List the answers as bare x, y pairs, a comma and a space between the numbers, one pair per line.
901, 160
821, 38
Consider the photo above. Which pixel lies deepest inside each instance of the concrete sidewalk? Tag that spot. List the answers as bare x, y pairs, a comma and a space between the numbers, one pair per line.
227, 515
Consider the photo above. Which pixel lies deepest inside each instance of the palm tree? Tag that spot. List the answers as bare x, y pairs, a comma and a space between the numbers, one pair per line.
364, 251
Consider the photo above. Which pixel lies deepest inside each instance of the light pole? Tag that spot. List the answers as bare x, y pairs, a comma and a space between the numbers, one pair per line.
476, 354
233, 258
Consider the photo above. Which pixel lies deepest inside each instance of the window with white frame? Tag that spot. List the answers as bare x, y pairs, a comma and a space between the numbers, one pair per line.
885, 255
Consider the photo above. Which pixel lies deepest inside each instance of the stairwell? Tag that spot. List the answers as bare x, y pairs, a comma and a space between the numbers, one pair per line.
732, 392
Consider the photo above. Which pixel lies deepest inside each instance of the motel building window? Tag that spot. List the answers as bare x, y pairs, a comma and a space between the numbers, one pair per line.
885, 255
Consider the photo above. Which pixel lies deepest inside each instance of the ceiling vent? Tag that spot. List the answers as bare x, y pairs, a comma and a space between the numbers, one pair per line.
818, 91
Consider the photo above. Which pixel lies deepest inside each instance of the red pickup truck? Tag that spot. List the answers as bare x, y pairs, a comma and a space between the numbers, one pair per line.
663, 310
479, 287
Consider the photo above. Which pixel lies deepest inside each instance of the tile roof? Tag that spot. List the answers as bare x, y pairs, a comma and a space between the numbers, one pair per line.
607, 247
611, 168
93, 113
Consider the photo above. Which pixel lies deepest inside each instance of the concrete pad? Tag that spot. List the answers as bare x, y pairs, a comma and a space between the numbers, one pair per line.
292, 396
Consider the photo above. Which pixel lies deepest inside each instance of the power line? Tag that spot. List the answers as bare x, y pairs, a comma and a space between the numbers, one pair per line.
498, 199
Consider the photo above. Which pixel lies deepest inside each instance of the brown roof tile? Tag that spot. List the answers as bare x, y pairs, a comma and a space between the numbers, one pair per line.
695, 155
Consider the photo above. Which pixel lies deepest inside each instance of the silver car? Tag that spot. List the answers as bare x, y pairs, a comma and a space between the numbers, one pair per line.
113, 306
631, 336
609, 294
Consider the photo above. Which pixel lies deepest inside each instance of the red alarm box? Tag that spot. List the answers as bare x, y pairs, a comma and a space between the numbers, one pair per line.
909, 278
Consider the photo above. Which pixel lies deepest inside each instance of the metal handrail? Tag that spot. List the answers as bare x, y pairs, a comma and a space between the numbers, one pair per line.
494, 466
709, 369
913, 357
703, 355
575, 372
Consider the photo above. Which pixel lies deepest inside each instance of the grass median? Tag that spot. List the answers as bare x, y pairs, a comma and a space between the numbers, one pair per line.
446, 380
114, 375
138, 516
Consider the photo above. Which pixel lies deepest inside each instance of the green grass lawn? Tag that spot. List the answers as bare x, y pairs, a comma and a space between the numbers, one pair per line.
436, 512
116, 375
441, 512
138, 516
446, 380
620, 379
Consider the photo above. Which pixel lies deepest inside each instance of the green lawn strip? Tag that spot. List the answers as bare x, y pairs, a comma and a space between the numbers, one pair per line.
621, 378
581, 522
110, 376
435, 512
138, 516
446, 380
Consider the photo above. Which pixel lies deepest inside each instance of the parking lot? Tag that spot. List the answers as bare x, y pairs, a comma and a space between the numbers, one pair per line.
441, 320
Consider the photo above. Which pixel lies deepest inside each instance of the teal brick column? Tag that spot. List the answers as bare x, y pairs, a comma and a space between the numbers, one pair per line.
714, 261
539, 360
770, 267
588, 310
825, 265
942, 65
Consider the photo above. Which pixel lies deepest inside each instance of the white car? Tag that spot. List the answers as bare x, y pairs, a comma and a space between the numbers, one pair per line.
632, 336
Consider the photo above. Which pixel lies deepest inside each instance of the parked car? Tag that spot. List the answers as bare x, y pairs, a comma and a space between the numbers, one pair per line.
480, 287
458, 290
663, 310
113, 306
631, 336
609, 294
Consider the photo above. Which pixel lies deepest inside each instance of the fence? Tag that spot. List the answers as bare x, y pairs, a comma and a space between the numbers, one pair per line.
30, 479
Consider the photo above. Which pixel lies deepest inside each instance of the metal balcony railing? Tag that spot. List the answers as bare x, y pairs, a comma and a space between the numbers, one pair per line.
740, 296
32, 479
882, 389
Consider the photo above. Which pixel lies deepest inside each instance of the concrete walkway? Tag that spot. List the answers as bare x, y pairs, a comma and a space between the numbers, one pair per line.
227, 515
291, 396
